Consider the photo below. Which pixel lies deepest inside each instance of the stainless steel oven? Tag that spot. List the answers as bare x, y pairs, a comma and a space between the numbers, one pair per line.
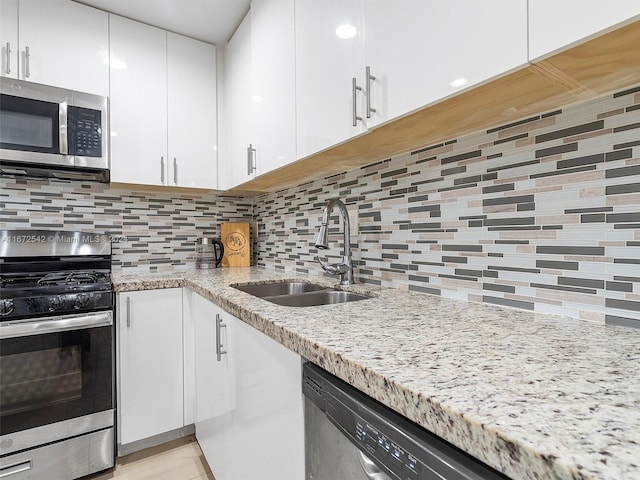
56, 355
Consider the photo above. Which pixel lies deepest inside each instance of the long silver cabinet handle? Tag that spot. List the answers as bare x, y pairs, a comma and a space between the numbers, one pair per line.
251, 164
162, 170
175, 171
63, 323
128, 312
27, 57
354, 92
369, 78
8, 59
219, 326
15, 468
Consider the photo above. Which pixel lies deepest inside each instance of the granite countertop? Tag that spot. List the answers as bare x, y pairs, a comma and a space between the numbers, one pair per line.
535, 396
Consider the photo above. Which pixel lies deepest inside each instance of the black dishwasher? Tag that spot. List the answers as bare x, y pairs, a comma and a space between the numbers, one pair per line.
348, 435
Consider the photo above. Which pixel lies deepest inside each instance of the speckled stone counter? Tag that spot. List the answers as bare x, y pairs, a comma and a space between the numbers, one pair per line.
535, 396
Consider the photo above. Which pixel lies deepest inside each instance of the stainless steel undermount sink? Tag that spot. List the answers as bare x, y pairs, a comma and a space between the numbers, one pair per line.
280, 288
300, 294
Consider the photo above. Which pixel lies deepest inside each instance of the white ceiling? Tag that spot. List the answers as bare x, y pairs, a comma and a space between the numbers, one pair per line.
212, 21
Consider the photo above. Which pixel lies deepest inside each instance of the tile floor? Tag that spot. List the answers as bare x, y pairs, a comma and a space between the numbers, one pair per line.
180, 459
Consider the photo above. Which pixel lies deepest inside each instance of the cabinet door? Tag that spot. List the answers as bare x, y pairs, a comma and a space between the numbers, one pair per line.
273, 114
192, 135
421, 51
325, 66
138, 103
150, 378
214, 384
554, 25
233, 169
68, 45
268, 423
9, 38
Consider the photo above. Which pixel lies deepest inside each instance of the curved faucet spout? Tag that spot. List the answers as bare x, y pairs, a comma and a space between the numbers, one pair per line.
344, 269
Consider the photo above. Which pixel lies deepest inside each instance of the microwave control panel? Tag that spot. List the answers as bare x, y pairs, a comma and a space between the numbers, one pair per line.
85, 132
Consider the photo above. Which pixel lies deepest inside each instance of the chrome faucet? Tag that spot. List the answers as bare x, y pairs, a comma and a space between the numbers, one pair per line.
344, 269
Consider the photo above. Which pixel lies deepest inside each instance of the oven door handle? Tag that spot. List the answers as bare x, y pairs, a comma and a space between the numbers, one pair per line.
40, 326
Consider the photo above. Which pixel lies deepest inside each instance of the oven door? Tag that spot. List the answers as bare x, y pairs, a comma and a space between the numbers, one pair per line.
56, 375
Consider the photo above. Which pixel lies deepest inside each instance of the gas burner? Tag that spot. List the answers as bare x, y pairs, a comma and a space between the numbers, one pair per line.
54, 278
65, 278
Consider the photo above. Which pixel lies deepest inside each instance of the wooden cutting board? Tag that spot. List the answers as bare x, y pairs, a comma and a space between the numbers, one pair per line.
237, 245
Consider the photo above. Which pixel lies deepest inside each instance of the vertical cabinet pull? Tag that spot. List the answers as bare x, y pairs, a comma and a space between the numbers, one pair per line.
219, 348
175, 171
354, 92
8, 59
162, 170
251, 164
27, 57
369, 78
128, 312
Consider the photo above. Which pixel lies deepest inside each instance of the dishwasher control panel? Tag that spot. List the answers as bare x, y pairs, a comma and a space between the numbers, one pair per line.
397, 459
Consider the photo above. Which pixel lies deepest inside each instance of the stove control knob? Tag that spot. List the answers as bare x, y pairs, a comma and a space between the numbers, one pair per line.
6, 306
56, 303
81, 301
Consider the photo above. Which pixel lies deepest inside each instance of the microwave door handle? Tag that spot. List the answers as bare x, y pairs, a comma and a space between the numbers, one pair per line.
64, 144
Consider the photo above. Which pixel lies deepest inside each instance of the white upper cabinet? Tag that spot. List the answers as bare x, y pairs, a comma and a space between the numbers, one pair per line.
138, 103
9, 38
163, 107
417, 52
421, 51
260, 93
234, 169
56, 42
192, 116
273, 83
330, 40
554, 25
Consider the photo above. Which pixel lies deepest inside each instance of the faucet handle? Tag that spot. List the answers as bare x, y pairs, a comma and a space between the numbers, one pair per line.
334, 268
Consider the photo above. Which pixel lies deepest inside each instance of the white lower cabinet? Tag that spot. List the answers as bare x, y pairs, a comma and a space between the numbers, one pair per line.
249, 417
213, 383
150, 364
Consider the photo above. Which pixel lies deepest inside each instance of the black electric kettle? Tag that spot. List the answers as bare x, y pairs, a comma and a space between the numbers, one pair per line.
209, 252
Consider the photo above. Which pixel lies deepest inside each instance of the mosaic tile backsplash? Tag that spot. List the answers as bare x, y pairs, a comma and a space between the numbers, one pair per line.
159, 229
541, 214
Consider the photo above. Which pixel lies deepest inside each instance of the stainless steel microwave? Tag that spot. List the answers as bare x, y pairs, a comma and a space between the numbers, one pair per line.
53, 132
